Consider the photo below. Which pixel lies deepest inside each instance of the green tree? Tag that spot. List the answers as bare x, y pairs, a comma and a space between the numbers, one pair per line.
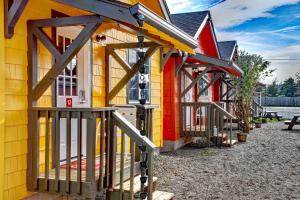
272, 89
255, 68
289, 87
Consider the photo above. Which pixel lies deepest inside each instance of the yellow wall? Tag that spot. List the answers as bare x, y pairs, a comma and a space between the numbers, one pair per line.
13, 91
2, 101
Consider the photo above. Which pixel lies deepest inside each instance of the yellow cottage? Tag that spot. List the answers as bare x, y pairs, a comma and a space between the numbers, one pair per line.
81, 87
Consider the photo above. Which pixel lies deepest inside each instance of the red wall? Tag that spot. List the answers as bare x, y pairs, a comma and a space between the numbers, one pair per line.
171, 102
208, 47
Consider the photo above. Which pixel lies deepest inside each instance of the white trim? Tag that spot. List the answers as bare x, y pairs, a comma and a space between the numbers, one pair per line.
201, 27
215, 38
163, 6
170, 29
235, 45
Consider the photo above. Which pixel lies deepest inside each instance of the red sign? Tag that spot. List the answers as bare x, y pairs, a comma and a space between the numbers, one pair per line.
69, 102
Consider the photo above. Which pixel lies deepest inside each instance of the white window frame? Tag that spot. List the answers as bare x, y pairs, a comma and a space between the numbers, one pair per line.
149, 77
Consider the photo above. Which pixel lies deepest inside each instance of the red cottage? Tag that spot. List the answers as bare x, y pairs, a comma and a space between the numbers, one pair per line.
192, 87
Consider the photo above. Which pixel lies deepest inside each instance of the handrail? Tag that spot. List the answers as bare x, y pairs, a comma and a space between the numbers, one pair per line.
223, 111
134, 133
258, 105
37, 108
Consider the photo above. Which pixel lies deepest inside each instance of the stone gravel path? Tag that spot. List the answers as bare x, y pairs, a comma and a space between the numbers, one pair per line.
266, 167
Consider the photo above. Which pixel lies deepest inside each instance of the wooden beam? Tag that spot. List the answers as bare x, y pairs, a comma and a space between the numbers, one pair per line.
180, 65
119, 59
130, 45
65, 21
130, 74
187, 65
110, 9
47, 42
194, 81
164, 58
12, 15
208, 85
60, 64
31, 128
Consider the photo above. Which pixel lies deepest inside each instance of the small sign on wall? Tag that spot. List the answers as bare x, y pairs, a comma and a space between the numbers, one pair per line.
69, 102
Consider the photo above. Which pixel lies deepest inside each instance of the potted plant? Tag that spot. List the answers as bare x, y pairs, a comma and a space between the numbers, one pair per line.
258, 123
255, 68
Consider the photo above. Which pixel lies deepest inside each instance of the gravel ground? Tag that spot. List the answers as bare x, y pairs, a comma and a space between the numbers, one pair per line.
266, 167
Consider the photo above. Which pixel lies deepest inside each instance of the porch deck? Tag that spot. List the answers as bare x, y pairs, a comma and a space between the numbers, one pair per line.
74, 172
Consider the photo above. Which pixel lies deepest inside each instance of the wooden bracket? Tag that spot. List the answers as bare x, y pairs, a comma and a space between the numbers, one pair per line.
130, 71
12, 14
61, 60
164, 58
180, 65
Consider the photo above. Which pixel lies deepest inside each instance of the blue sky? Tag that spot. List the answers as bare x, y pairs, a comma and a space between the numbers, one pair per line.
270, 28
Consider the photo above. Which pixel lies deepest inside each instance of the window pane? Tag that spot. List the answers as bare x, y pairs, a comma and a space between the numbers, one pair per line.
132, 57
74, 86
60, 86
67, 86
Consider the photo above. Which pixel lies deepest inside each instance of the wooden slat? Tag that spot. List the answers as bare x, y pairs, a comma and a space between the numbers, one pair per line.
107, 147
68, 152
36, 148
132, 161
79, 153
150, 176
90, 149
47, 151
102, 138
122, 164
57, 151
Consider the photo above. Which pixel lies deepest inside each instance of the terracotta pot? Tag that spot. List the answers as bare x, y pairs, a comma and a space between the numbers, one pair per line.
242, 137
257, 125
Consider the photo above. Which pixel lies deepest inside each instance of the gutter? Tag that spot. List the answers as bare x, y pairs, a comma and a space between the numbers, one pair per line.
168, 28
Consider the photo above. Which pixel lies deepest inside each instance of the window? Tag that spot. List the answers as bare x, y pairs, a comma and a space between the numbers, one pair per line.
202, 85
133, 90
67, 81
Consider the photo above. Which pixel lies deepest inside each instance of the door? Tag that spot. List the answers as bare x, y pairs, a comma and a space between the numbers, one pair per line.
73, 88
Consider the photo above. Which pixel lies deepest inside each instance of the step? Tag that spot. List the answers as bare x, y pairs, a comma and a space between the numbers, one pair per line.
136, 188
227, 143
161, 195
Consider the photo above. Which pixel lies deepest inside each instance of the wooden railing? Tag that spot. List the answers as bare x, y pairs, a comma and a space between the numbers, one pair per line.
106, 161
257, 109
200, 118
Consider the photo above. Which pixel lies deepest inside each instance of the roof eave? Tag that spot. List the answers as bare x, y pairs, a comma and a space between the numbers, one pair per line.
218, 62
168, 28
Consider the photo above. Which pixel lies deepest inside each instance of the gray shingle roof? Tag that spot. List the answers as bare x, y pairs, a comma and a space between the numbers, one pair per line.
189, 22
226, 49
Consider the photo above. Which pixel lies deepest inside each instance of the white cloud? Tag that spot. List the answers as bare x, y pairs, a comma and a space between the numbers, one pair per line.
234, 12
257, 44
179, 5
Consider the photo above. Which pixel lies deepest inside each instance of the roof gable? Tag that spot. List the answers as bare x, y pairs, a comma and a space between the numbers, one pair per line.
190, 22
227, 49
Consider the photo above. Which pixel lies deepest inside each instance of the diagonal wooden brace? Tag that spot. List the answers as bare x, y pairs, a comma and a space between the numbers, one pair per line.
194, 81
130, 74
208, 85
61, 63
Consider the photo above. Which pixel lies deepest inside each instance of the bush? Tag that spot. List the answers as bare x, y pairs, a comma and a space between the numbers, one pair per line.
264, 120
